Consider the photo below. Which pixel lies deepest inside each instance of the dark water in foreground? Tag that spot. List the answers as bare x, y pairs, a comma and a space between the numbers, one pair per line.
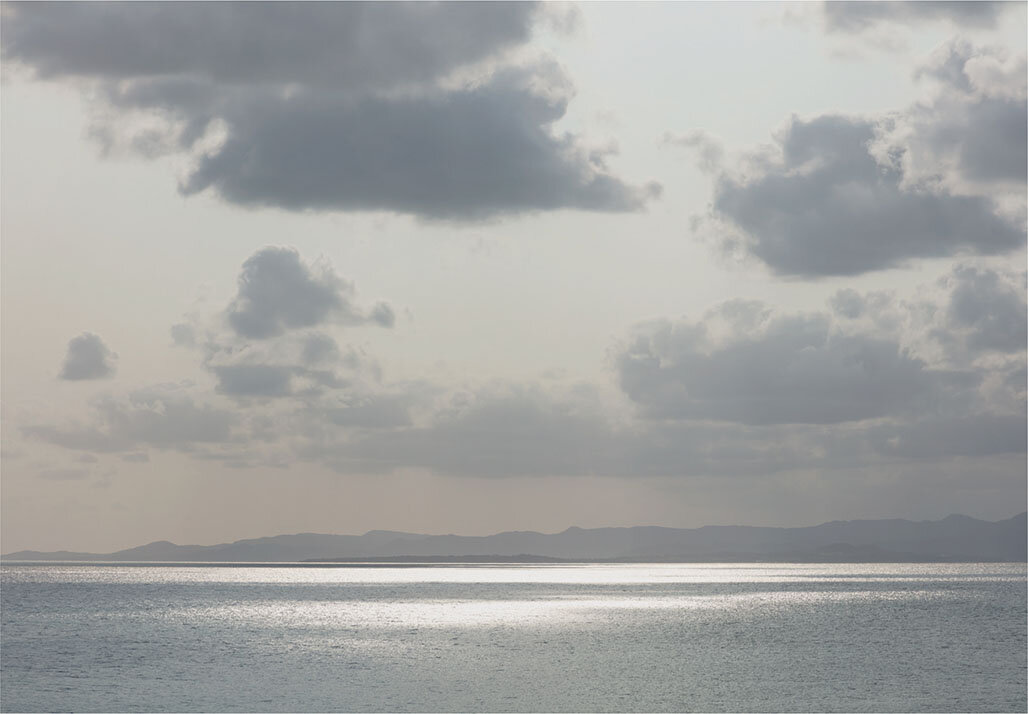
908, 637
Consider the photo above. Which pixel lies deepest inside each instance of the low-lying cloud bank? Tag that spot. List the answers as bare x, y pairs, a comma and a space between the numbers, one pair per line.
742, 390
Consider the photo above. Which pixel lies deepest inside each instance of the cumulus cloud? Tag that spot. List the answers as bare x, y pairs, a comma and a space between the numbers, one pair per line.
278, 293
471, 153
88, 358
788, 369
845, 195
300, 107
828, 207
853, 16
272, 340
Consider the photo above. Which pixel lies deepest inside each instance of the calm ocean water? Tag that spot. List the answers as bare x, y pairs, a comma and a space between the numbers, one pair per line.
761, 637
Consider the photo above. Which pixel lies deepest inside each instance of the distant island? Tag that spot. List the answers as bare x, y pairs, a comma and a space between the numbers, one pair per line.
951, 539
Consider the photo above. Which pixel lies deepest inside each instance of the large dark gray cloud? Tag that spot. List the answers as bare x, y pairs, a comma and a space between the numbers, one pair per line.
354, 44
790, 369
279, 293
298, 94
828, 207
854, 16
471, 153
88, 358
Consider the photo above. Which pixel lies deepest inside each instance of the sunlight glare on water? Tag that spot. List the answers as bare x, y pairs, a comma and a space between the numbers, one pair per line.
668, 637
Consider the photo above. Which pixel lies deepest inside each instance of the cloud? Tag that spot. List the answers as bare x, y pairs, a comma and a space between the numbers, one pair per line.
380, 411
472, 153
847, 303
329, 45
511, 432
826, 206
969, 137
270, 351
254, 380
319, 349
259, 380
782, 370
88, 358
743, 392
850, 16
347, 106
279, 293
382, 314
183, 335
526, 431
966, 436
987, 310
269, 342
158, 417
973, 318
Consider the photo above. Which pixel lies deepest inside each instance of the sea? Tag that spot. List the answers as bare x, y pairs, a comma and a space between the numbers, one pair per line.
592, 638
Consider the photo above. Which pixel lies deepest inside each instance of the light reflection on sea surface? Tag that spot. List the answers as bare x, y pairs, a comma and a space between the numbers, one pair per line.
516, 573
668, 637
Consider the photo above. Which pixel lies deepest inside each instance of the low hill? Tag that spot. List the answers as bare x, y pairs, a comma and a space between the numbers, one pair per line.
953, 538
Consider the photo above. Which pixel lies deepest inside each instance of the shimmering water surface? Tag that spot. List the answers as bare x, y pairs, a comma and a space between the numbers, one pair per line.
761, 637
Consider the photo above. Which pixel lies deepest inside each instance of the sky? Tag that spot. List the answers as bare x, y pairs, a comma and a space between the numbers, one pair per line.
467, 268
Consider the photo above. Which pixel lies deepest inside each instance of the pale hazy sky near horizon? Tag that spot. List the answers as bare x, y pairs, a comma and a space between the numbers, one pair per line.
470, 268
